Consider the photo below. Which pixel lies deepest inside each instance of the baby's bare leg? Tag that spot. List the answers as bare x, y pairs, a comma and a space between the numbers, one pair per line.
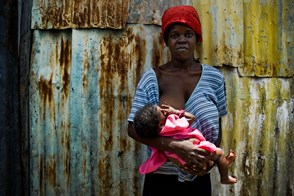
223, 165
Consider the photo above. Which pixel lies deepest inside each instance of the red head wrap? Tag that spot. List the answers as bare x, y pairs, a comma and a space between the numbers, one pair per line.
184, 14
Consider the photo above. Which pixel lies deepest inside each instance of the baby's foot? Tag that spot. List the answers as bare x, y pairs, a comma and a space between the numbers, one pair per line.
229, 180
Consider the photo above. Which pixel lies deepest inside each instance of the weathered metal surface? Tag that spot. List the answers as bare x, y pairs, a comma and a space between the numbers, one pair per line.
245, 35
269, 38
222, 30
58, 14
82, 83
49, 113
259, 128
150, 11
255, 36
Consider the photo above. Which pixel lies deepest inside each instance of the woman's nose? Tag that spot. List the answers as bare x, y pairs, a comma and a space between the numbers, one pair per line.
182, 38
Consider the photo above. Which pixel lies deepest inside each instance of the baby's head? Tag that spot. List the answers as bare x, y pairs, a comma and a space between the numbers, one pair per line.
148, 121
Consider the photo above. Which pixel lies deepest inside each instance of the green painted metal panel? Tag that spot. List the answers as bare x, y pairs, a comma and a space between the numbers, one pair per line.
257, 36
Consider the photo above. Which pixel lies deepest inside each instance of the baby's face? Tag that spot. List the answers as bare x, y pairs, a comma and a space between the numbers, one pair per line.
161, 117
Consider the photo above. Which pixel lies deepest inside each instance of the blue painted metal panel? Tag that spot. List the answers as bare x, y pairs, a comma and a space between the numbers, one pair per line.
82, 84
49, 113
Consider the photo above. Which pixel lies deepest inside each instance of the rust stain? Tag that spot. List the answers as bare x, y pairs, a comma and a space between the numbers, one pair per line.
65, 64
156, 54
140, 55
84, 167
45, 89
82, 14
86, 71
50, 171
46, 95
226, 55
116, 62
65, 142
53, 15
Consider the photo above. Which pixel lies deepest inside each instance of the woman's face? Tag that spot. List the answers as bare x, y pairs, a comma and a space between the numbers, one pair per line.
181, 42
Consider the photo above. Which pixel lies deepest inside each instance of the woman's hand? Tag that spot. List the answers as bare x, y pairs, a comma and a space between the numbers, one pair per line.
185, 168
198, 161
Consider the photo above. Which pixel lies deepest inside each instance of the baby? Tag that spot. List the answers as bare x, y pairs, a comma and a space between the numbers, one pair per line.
152, 120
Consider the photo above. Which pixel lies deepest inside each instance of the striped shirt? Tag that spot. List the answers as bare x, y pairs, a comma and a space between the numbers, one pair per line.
207, 102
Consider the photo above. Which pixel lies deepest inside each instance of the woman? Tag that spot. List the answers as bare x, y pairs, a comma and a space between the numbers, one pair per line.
184, 83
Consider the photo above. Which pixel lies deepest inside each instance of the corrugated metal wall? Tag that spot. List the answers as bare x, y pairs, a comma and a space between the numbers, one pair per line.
87, 58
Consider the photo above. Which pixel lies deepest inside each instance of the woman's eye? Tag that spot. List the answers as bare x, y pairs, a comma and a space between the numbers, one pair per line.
189, 35
174, 35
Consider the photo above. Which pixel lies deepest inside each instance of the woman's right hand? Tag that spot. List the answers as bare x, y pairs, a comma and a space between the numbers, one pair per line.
198, 161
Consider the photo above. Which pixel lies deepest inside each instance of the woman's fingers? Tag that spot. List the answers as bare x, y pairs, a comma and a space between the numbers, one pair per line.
200, 161
185, 167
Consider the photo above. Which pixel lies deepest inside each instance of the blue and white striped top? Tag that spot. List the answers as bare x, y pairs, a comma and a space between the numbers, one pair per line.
207, 103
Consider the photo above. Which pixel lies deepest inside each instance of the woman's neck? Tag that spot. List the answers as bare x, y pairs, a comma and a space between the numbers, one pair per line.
188, 64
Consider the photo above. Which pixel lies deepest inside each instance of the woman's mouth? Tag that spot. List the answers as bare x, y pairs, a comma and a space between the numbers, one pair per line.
181, 49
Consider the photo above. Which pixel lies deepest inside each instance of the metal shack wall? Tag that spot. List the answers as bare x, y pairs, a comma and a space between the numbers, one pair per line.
87, 58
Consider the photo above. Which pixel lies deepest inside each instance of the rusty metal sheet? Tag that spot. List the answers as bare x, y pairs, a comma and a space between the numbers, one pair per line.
82, 84
269, 38
49, 113
106, 68
150, 11
222, 29
57, 14
255, 36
